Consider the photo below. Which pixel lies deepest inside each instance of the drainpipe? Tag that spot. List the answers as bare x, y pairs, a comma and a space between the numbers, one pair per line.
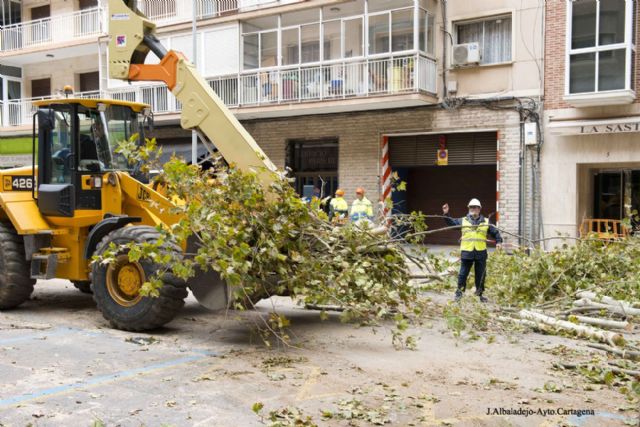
194, 134
445, 30
521, 222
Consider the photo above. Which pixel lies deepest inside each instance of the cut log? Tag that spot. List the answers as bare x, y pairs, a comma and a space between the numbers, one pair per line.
625, 354
605, 323
581, 330
587, 303
629, 310
524, 322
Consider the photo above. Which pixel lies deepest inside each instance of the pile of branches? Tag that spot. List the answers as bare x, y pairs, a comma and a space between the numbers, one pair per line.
588, 290
264, 241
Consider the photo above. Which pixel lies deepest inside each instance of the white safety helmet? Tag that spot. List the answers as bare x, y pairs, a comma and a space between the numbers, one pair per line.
474, 202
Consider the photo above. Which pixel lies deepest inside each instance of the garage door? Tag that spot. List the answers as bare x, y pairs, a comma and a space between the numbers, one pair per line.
471, 173
464, 149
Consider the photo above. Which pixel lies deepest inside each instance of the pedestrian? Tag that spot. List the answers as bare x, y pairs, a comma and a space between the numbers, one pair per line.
361, 208
473, 246
338, 208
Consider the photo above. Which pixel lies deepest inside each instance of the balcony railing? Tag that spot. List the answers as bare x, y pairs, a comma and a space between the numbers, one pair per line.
333, 81
171, 11
59, 28
19, 112
341, 80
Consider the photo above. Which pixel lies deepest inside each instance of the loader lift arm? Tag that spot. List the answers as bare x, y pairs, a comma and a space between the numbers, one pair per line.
131, 39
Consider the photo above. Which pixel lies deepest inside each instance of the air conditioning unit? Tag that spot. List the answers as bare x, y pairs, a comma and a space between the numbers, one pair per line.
465, 54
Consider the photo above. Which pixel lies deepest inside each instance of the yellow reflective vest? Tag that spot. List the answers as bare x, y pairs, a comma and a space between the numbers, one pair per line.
339, 206
474, 237
361, 209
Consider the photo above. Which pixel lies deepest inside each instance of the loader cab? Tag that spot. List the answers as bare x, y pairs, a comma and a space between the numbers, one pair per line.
77, 141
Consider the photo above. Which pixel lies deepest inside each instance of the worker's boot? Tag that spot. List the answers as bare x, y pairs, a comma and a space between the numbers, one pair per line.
482, 298
458, 296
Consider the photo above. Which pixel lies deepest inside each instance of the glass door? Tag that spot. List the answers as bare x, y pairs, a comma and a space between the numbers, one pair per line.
608, 195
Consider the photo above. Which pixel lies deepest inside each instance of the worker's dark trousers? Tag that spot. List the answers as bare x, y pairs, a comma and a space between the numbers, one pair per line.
465, 269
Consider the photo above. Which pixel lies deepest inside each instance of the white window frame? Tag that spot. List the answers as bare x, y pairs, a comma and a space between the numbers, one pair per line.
427, 29
492, 17
628, 45
415, 8
389, 14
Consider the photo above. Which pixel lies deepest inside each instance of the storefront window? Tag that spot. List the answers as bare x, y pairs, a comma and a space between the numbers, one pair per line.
617, 195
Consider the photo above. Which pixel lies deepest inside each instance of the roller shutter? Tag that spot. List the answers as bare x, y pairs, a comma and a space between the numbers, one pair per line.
464, 149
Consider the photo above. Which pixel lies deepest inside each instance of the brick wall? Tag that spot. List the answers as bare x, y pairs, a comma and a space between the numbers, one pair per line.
555, 50
359, 143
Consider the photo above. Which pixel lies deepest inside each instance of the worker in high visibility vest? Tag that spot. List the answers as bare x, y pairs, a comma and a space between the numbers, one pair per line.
361, 208
473, 246
338, 208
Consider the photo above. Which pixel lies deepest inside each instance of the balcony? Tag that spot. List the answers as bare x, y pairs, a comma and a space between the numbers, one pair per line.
165, 12
287, 85
56, 29
343, 80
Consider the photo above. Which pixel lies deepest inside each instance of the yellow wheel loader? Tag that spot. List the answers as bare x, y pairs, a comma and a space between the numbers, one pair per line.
80, 195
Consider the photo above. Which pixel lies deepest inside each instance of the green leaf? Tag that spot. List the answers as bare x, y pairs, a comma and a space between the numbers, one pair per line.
257, 407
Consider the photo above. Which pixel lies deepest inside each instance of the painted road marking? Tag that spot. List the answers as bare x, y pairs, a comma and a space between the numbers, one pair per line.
103, 379
12, 400
38, 335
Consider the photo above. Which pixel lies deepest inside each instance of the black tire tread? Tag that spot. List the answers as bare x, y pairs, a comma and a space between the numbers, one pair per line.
16, 284
172, 294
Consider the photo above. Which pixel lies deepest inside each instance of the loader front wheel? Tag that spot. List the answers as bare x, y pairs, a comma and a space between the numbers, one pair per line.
16, 284
116, 286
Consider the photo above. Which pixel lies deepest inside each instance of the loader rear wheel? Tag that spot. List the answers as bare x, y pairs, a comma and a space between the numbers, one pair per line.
16, 284
83, 286
116, 286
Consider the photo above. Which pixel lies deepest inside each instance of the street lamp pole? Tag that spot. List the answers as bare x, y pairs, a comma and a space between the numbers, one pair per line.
194, 134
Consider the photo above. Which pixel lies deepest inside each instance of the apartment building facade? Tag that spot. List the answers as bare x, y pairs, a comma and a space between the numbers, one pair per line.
590, 158
341, 92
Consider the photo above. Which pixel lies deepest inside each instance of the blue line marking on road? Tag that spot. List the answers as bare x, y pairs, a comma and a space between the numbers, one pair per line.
38, 335
102, 378
578, 421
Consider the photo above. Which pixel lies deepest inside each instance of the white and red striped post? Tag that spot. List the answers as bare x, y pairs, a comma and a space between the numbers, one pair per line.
386, 174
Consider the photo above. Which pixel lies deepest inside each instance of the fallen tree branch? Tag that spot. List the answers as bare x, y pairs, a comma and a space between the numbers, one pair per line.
587, 303
605, 323
524, 322
625, 354
581, 330
628, 309
615, 369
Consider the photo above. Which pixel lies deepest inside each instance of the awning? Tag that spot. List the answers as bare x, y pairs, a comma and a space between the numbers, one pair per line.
595, 127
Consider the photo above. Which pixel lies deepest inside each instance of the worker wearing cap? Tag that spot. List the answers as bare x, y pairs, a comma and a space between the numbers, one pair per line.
361, 208
473, 245
338, 208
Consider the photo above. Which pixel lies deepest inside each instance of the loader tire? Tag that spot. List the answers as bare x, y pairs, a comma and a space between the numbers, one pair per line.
83, 286
16, 284
116, 285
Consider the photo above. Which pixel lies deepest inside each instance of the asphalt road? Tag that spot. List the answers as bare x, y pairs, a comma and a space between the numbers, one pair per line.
61, 365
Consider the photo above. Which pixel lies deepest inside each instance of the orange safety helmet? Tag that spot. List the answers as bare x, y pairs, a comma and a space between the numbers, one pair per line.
339, 192
359, 190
